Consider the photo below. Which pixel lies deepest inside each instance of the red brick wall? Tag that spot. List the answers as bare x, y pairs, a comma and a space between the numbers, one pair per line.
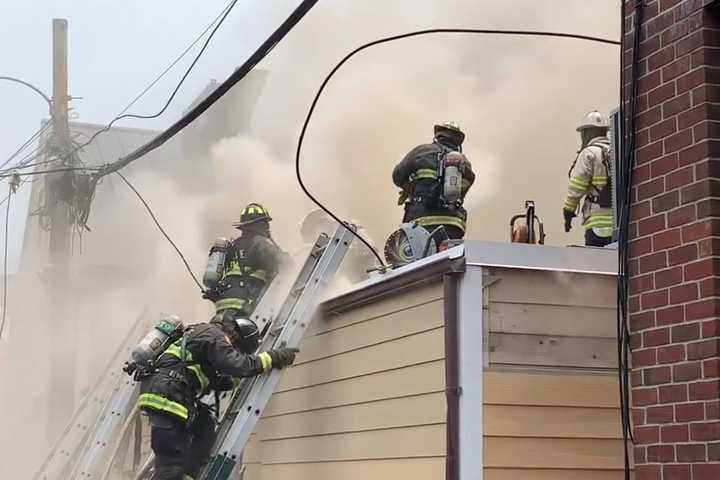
675, 246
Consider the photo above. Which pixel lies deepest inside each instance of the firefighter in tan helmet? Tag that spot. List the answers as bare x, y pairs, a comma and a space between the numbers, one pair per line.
590, 178
358, 260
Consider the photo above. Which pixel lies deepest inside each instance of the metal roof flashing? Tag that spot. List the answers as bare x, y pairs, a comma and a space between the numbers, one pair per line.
400, 279
597, 261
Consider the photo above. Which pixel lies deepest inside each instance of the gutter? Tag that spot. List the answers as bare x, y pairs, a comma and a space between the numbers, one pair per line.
452, 375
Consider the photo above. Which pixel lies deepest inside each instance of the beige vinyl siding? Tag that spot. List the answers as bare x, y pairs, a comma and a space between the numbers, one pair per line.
551, 319
549, 411
565, 426
365, 398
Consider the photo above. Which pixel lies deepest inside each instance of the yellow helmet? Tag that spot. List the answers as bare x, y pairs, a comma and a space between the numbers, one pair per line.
253, 213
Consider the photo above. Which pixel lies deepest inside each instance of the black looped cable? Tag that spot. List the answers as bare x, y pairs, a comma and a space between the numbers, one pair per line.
162, 230
392, 39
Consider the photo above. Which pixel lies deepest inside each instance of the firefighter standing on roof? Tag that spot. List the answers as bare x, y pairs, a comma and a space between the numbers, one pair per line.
240, 270
590, 177
209, 357
421, 176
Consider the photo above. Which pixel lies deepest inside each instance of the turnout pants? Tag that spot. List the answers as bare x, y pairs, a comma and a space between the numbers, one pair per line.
593, 240
180, 452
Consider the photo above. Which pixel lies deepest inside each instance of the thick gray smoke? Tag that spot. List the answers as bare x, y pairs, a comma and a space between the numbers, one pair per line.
518, 99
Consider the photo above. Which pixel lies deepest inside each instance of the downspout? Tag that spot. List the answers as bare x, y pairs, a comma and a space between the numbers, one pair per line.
452, 377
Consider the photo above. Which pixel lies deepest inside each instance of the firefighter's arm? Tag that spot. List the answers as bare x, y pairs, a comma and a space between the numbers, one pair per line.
227, 360
402, 171
467, 174
579, 181
268, 256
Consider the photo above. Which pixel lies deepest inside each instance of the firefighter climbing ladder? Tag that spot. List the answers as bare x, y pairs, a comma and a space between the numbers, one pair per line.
90, 443
287, 328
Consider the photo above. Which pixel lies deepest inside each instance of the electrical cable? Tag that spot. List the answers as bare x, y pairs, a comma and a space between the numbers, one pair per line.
241, 72
32, 138
52, 170
162, 230
5, 275
392, 39
177, 59
625, 177
30, 86
222, 16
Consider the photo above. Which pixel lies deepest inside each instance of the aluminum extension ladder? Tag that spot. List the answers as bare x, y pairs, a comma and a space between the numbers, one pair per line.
100, 414
90, 443
288, 328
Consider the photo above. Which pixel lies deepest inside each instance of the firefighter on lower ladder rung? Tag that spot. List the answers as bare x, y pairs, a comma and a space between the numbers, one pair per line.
208, 357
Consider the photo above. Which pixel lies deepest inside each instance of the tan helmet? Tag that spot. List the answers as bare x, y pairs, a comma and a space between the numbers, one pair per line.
314, 223
451, 129
593, 119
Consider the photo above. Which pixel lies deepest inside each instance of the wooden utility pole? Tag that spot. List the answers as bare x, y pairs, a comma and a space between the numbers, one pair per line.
60, 232
60, 322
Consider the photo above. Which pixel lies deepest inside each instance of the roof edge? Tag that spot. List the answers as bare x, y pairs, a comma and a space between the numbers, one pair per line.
396, 281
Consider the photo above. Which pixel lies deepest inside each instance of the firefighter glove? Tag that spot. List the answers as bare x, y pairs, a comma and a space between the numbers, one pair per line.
282, 357
569, 215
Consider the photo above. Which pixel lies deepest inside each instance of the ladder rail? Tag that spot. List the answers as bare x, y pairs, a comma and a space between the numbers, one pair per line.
78, 430
265, 313
287, 328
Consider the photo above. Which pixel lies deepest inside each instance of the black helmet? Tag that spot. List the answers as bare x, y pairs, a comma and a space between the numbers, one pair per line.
249, 335
451, 131
253, 213
244, 333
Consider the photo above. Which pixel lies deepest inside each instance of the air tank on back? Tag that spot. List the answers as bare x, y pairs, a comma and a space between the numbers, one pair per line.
452, 177
169, 329
216, 262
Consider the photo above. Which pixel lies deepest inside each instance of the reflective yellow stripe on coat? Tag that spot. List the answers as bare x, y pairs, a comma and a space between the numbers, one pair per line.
161, 404
225, 303
431, 220
425, 173
202, 379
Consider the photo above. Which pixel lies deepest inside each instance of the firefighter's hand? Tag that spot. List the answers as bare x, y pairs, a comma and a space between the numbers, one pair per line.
569, 215
282, 357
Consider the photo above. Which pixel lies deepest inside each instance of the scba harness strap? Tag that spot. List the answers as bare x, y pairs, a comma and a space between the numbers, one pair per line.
604, 196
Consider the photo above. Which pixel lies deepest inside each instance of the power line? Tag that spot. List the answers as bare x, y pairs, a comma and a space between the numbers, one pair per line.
52, 170
162, 230
32, 138
31, 86
392, 39
179, 57
240, 73
222, 16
